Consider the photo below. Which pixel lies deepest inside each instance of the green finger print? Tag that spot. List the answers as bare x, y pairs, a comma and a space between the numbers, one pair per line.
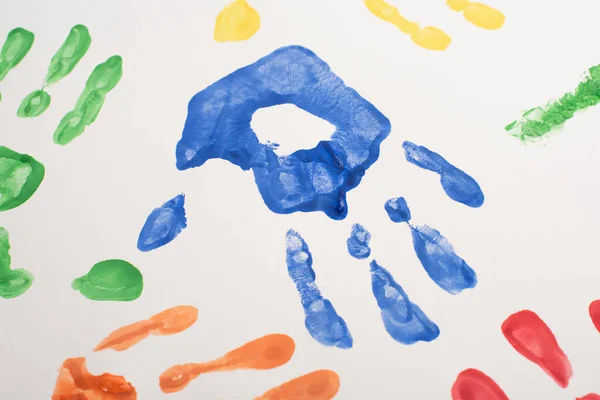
115, 280
103, 79
13, 282
15, 48
63, 62
20, 177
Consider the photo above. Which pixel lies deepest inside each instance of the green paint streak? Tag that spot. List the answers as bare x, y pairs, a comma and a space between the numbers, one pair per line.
103, 79
63, 62
20, 177
15, 48
538, 122
13, 282
115, 280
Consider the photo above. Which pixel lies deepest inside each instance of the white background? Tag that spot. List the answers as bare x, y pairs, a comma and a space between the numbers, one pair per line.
534, 243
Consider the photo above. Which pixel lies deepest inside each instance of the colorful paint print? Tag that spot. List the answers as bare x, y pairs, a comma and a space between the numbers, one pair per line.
163, 224
531, 337
111, 280
457, 184
168, 322
13, 282
103, 79
322, 321
76, 382
218, 126
264, 353
238, 21
436, 254
64, 61
15, 48
472, 384
405, 322
478, 14
537, 123
358, 242
397, 210
594, 310
429, 37
318, 385
20, 177
591, 396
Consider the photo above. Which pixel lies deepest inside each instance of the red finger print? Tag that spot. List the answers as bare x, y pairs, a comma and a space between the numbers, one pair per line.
532, 338
591, 396
595, 313
472, 384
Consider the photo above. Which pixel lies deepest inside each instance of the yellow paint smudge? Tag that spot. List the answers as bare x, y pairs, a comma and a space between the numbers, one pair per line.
429, 37
238, 21
478, 14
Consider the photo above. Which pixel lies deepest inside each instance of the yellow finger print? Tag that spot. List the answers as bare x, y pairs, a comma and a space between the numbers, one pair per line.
429, 37
478, 14
238, 21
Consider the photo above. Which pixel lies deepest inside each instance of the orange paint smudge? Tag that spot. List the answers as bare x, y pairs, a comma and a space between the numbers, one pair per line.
267, 352
75, 382
168, 322
318, 385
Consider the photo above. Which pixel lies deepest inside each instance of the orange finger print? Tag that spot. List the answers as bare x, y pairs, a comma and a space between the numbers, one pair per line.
318, 385
267, 352
75, 382
168, 322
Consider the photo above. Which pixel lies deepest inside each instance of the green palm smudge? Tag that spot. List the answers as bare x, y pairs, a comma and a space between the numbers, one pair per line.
63, 62
102, 80
15, 48
115, 280
20, 177
13, 282
538, 122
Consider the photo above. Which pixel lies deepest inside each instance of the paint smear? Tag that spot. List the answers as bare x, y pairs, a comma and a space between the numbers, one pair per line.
358, 242
267, 352
532, 338
397, 209
168, 322
307, 180
75, 382
457, 184
163, 224
472, 384
322, 321
595, 313
478, 14
591, 396
238, 21
115, 280
103, 79
318, 385
15, 48
20, 177
436, 254
403, 320
66, 58
13, 282
429, 37
537, 123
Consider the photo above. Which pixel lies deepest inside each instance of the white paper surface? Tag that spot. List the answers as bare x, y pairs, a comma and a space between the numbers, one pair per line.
533, 243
